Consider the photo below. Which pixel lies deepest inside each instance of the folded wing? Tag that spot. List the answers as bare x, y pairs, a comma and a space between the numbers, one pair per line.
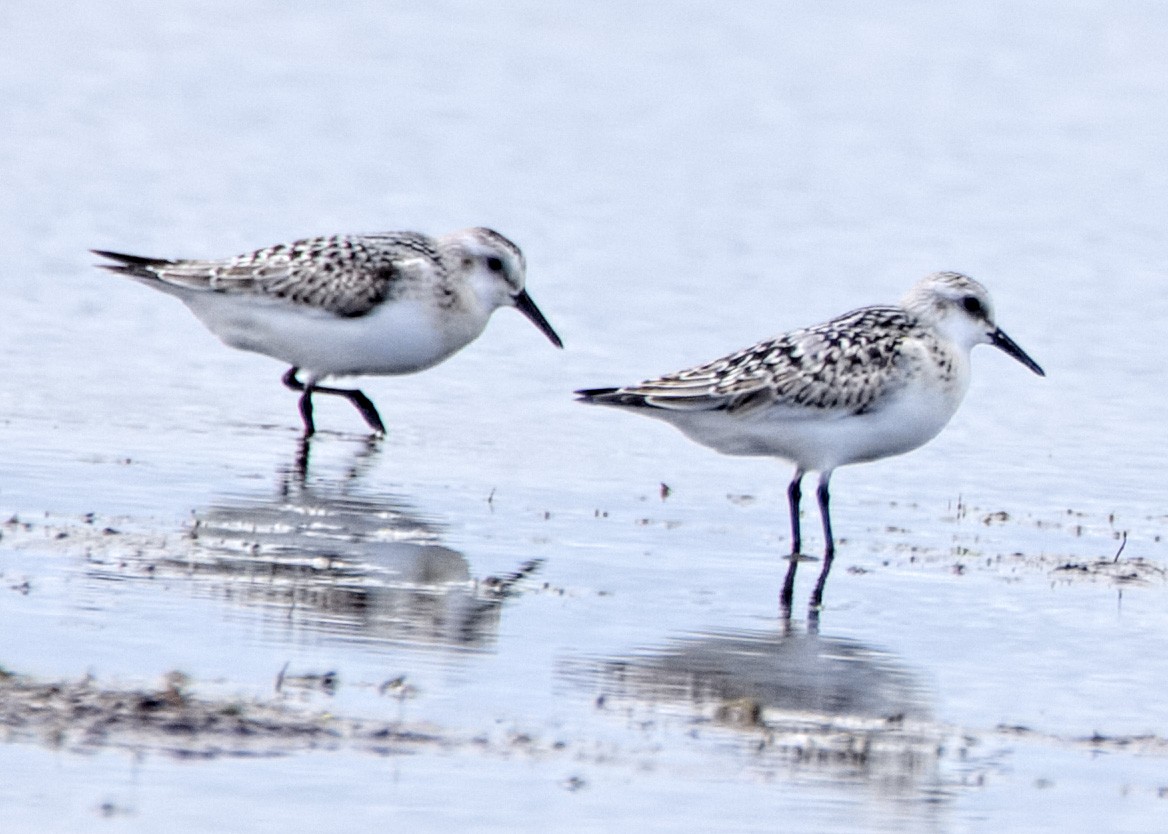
844, 365
344, 275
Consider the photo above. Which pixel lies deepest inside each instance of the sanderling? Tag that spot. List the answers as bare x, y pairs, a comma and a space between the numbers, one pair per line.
350, 305
872, 383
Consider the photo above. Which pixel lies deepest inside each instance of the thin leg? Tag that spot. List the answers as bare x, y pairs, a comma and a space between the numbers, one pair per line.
825, 513
306, 411
362, 403
290, 380
829, 541
794, 496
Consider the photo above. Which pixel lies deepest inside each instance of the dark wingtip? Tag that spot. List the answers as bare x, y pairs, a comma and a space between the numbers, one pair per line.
135, 266
129, 260
591, 395
609, 396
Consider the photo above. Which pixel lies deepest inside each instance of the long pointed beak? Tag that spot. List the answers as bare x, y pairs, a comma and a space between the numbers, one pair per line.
1007, 345
526, 306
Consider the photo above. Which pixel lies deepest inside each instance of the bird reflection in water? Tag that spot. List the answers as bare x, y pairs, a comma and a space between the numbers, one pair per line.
827, 702
327, 555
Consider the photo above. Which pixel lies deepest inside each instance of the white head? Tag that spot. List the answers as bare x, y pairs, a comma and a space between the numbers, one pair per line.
496, 271
961, 308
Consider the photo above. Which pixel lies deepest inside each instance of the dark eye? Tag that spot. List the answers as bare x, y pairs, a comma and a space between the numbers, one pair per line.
494, 264
972, 305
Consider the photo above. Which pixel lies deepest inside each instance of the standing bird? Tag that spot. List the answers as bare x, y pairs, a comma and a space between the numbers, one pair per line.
349, 305
876, 382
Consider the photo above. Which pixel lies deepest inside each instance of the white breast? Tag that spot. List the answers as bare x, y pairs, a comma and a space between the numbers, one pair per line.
400, 337
816, 439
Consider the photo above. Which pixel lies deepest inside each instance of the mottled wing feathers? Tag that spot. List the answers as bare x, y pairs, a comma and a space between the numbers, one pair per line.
347, 275
843, 365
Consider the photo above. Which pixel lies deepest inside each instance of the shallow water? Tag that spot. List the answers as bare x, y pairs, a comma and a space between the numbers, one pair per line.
504, 578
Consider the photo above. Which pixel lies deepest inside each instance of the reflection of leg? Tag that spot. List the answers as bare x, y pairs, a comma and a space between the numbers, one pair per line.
788, 588
794, 496
829, 542
296, 475
364, 457
303, 449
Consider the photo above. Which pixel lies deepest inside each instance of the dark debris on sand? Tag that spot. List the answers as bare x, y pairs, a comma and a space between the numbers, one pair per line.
82, 716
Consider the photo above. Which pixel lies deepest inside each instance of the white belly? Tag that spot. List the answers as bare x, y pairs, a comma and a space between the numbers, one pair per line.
397, 338
823, 440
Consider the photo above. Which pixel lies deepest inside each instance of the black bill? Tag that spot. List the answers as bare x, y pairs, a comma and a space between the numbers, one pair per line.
526, 306
1007, 345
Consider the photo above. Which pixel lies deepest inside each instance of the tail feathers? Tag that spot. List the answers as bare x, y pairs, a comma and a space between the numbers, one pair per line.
134, 265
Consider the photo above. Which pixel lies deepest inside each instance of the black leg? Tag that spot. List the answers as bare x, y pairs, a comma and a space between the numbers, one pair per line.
306, 411
794, 496
290, 380
829, 541
825, 513
362, 403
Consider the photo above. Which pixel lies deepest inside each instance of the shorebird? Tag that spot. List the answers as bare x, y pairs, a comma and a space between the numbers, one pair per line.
349, 305
872, 383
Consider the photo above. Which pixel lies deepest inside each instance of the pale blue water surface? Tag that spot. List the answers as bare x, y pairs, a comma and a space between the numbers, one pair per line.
685, 179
